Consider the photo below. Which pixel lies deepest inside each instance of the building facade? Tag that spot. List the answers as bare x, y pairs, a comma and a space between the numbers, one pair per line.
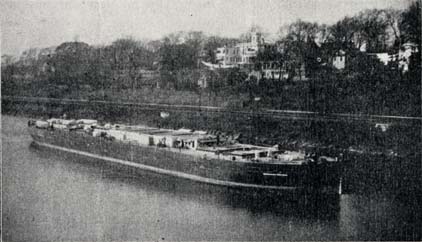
270, 70
242, 53
407, 50
339, 60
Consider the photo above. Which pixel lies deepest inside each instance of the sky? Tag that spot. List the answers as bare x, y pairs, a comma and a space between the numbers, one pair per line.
44, 23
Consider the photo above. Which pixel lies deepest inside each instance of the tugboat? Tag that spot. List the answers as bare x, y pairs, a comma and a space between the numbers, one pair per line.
195, 155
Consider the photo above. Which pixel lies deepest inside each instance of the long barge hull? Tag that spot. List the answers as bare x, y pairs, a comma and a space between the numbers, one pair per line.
286, 177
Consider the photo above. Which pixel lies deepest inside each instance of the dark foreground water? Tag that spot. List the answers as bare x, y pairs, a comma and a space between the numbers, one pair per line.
52, 196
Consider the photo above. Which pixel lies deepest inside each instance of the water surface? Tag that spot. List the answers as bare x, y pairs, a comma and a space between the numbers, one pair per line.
53, 196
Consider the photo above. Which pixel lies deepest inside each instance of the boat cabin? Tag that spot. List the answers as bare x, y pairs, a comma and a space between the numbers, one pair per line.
212, 146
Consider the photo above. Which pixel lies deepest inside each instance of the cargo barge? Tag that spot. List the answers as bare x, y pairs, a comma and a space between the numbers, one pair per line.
195, 155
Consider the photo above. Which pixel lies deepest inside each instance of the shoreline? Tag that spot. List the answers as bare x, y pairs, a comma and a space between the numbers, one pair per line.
310, 143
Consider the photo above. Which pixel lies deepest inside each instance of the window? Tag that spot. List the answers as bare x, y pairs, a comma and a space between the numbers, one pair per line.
263, 154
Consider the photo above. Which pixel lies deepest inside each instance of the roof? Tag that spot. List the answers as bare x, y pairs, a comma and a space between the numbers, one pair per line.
410, 44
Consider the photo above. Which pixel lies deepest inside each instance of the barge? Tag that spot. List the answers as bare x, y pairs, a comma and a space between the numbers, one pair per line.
200, 156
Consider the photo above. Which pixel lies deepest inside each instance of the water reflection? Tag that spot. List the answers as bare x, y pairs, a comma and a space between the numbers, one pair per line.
254, 201
380, 217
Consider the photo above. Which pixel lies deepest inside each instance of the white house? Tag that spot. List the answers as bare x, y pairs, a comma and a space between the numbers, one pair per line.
242, 53
339, 60
404, 55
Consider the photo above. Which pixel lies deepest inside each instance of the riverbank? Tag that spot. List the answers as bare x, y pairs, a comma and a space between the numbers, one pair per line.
303, 131
331, 93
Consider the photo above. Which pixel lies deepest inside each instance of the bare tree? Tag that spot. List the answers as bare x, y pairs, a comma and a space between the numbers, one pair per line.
374, 26
346, 33
411, 24
393, 17
294, 38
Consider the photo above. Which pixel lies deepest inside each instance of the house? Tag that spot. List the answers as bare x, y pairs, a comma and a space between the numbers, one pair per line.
404, 56
339, 60
334, 55
242, 53
385, 58
270, 70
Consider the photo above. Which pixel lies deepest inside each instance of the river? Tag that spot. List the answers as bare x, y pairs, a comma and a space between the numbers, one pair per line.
51, 196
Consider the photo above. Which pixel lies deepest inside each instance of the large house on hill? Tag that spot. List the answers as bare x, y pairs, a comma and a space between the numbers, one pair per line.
244, 55
268, 61
241, 54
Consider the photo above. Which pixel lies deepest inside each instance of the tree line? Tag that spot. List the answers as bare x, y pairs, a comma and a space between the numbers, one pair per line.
173, 62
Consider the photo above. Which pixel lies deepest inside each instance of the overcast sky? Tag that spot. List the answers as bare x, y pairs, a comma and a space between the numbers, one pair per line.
26, 24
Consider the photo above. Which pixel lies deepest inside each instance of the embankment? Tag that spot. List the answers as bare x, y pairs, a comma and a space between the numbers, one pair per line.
389, 158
